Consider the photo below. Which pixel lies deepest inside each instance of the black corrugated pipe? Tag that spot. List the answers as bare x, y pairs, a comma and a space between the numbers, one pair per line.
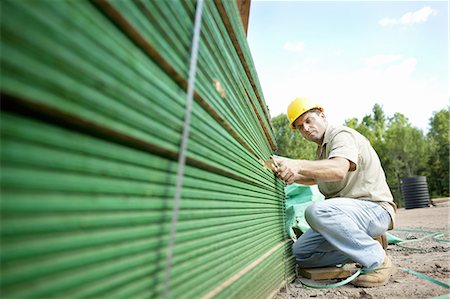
415, 192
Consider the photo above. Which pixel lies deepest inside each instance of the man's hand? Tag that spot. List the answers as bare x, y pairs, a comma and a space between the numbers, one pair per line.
288, 169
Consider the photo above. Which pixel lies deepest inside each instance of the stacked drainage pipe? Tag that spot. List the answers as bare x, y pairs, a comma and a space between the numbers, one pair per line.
93, 112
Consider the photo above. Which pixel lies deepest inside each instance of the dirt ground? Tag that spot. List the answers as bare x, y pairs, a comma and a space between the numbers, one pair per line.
433, 260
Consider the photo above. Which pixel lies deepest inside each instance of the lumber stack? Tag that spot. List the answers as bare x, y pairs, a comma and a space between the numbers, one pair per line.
93, 110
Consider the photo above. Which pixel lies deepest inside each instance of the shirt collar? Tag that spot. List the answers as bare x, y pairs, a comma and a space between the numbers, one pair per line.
327, 135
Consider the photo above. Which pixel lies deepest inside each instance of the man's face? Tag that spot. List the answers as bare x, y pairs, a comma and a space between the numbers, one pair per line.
312, 126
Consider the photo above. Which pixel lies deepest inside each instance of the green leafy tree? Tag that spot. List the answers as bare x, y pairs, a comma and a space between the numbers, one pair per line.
372, 126
403, 149
438, 163
408, 145
290, 142
407, 152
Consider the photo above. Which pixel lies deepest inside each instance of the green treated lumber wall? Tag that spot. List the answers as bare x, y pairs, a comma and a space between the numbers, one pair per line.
93, 101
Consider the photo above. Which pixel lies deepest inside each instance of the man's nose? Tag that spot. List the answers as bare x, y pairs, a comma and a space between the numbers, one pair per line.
306, 127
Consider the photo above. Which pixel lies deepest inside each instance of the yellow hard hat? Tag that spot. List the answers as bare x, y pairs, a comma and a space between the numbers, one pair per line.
299, 106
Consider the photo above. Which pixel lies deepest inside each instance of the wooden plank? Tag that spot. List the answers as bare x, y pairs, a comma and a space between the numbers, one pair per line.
244, 11
327, 272
152, 52
235, 40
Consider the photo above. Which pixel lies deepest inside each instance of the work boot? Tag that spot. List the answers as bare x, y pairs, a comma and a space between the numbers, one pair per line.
376, 278
382, 240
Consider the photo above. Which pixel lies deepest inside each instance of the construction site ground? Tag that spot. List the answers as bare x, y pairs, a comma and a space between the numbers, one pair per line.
432, 260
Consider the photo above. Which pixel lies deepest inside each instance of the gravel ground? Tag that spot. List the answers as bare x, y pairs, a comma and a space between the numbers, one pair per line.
432, 259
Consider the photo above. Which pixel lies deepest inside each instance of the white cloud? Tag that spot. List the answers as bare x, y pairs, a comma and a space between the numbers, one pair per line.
408, 18
294, 46
381, 59
405, 68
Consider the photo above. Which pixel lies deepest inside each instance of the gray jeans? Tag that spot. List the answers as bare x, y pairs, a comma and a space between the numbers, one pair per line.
342, 230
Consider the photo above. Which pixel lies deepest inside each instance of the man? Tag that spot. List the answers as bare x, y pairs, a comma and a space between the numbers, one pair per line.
358, 207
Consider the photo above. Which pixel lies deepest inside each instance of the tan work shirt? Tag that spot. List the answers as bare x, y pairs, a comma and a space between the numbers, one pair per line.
367, 181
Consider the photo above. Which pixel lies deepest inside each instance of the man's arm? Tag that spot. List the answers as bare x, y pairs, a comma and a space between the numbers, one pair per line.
307, 172
300, 179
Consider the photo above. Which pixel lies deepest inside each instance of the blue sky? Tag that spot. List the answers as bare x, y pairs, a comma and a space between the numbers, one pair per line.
349, 55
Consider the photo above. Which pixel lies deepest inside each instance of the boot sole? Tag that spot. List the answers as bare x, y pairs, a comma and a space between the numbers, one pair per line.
364, 284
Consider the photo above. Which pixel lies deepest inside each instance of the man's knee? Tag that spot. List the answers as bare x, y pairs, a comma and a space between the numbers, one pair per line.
303, 257
320, 215
296, 248
313, 215
299, 251
310, 212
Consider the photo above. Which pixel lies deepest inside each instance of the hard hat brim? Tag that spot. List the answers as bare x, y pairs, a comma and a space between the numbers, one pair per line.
291, 125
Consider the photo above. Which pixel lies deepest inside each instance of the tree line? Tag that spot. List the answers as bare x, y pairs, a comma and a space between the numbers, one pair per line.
404, 150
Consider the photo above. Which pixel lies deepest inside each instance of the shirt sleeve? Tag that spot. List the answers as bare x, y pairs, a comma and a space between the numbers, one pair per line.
344, 145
